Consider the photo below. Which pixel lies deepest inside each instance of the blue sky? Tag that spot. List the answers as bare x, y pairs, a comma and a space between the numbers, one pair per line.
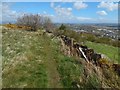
64, 12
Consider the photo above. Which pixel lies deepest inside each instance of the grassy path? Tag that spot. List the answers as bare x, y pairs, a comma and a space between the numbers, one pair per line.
50, 63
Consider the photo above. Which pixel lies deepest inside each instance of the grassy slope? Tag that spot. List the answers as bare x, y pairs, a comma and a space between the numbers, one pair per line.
32, 60
28, 60
110, 51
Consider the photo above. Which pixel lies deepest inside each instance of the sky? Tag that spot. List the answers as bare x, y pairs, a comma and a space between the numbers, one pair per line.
63, 12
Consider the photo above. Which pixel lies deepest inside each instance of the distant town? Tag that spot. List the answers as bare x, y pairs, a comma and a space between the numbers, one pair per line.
103, 30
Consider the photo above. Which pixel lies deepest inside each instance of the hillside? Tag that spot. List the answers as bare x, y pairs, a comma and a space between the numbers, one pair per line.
35, 60
110, 51
30, 58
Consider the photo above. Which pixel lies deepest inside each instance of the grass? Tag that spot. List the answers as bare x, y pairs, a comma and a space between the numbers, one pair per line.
109, 51
33, 60
93, 82
73, 71
30, 58
22, 63
69, 70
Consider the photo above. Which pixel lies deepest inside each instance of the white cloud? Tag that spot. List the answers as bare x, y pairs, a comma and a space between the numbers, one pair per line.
108, 5
70, 9
52, 4
101, 13
65, 15
83, 18
80, 5
9, 15
70, 19
106, 20
44, 12
63, 11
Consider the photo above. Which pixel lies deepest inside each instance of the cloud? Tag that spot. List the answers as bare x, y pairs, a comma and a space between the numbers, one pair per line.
9, 15
108, 5
60, 11
44, 12
0, 12
102, 13
70, 19
80, 5
106, 20
83, 18
52, 4
65, 15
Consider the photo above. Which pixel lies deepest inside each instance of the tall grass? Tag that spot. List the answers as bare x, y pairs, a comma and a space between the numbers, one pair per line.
69, 70
23, 66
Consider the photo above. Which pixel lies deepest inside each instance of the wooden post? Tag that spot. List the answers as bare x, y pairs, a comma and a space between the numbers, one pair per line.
83, 54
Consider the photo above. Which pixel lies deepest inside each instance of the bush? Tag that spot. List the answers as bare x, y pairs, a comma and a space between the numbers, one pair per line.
47, 24
34, 21
62, 27
104, 62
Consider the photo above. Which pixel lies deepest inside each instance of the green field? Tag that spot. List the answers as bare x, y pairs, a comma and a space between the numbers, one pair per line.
110, 51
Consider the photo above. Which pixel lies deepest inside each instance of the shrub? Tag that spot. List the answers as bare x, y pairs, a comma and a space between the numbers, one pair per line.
62, 27
104, 62
34, 21
47, 24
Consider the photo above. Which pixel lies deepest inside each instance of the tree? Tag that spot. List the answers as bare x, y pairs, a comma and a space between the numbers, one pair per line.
62, 27
33, 21
48, 24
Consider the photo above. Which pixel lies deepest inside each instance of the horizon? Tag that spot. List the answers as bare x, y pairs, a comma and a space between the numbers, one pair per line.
13, 22
63, 12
